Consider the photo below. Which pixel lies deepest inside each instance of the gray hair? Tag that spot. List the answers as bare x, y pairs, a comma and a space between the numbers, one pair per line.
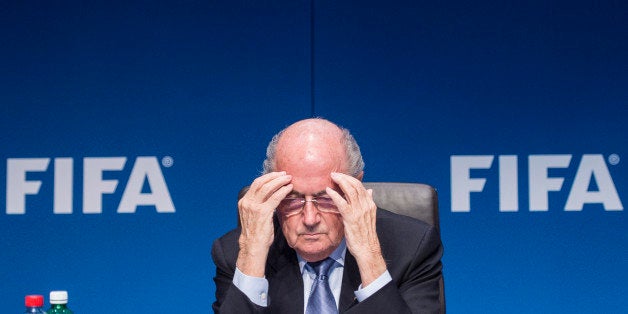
355, 163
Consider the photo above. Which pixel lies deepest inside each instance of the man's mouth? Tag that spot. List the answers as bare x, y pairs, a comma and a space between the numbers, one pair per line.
311, 234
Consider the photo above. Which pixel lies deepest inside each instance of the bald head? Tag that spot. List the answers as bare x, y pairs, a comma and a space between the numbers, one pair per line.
314, 143
311, 145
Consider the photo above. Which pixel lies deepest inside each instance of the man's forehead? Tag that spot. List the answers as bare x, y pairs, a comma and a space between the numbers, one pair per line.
305, 147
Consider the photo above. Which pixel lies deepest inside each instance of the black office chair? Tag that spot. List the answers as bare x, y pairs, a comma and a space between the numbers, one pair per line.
416, 200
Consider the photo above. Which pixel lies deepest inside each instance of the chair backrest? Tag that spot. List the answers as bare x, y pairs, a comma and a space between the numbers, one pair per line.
415, 200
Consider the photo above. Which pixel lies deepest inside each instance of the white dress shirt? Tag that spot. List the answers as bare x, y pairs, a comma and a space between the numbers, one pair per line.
256, 288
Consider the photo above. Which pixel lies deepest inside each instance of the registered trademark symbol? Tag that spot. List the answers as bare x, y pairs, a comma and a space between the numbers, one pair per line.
613, 159
167, 161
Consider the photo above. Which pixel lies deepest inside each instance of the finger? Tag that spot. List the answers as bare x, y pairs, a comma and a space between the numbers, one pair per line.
271, 187
254, 198
350, 186
261, 180
336, 197
370, 200
264, 186
279, 195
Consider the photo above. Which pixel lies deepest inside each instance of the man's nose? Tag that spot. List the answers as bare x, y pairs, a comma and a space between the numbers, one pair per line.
310, 214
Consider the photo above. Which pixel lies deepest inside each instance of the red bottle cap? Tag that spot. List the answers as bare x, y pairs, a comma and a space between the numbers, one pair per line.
34, 300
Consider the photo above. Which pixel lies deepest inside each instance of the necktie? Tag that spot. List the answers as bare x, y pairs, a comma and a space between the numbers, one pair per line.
321, 299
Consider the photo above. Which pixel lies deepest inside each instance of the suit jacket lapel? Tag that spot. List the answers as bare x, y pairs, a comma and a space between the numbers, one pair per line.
350, 282
284, 278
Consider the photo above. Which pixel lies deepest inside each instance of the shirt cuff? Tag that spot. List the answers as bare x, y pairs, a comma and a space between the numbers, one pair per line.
362, 293
255, 288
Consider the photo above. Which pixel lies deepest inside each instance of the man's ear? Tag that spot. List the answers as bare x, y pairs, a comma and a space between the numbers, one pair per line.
360, 176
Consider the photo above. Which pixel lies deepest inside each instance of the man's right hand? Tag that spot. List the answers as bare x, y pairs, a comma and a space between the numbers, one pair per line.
256, 210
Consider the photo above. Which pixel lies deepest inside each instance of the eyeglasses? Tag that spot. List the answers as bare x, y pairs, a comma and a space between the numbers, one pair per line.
291, 206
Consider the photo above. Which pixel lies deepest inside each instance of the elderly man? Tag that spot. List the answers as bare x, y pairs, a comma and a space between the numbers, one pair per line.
312, 240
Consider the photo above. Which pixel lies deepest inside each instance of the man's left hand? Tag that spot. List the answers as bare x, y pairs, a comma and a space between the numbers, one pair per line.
358, 212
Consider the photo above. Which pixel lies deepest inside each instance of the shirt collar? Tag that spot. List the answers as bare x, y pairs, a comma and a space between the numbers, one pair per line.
338, 255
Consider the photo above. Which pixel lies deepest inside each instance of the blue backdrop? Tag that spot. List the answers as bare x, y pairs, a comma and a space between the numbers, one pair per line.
96, 97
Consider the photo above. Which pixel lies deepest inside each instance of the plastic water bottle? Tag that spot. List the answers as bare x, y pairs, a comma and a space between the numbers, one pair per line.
59, 303
34, 304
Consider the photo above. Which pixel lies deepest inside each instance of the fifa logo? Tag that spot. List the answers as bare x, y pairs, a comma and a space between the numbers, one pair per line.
591, 169
145, 170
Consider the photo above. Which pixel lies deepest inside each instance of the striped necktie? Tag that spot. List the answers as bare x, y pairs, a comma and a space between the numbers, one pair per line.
321, 299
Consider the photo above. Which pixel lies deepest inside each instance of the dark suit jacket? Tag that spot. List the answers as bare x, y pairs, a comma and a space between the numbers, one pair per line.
412, 250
